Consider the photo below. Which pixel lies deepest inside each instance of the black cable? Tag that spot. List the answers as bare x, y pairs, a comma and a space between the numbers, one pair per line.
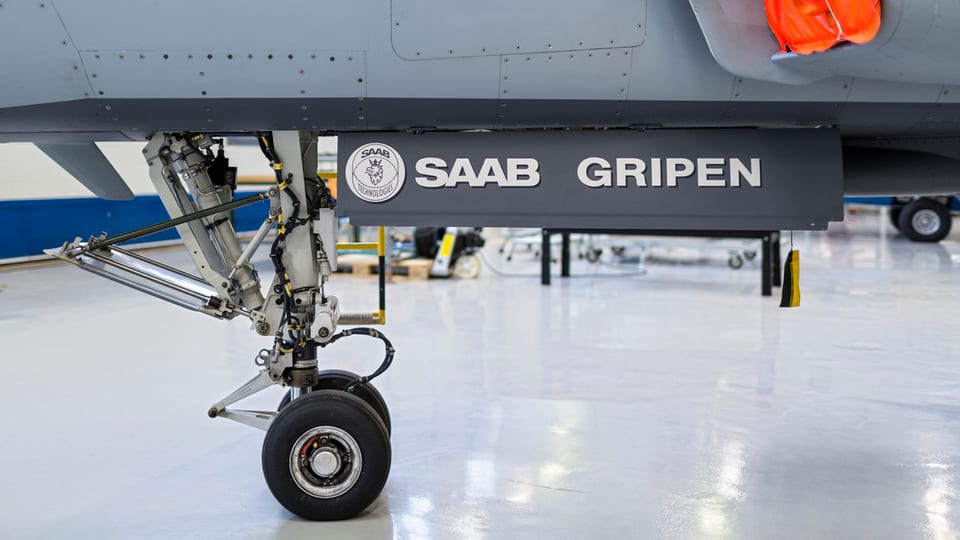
288, 322
374, 333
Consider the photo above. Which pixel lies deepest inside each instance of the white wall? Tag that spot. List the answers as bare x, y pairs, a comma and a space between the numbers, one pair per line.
27, 173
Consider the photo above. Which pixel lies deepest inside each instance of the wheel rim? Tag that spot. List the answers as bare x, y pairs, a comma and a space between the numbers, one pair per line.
325, 462
925, 222
467, 266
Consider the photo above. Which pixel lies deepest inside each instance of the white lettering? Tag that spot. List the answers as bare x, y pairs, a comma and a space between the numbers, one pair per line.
491, 172
600, 177
433, 169
521, 172
462, 172
738, 170
678, 168
528, 168
631, 168
707, 167
656, 180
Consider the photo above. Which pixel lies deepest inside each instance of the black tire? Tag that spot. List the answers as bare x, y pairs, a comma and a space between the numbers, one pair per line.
895, 217
735, 262
593, 255
339, 379
293, 433
925, 220
749, 255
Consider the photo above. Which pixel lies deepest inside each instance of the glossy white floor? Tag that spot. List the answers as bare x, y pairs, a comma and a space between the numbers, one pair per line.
677, 404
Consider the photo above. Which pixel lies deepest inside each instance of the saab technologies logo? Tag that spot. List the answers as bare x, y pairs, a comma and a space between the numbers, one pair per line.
376, 172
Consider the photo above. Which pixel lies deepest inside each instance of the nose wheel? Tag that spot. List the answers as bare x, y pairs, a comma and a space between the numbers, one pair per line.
341, 379
326, 455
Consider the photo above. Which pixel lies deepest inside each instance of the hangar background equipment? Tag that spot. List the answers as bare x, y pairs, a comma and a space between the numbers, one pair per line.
676, 78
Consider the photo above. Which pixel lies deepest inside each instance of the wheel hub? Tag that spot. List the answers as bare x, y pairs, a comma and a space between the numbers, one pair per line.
325, 462
926, 222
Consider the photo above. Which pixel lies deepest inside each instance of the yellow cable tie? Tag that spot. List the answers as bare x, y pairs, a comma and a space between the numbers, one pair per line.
278, 166
283, 185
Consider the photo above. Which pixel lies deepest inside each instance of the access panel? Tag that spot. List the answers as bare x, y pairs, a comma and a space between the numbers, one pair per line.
723, 179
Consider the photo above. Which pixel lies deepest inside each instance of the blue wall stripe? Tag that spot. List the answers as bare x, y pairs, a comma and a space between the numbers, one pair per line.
880, 201
889, 201
30, 226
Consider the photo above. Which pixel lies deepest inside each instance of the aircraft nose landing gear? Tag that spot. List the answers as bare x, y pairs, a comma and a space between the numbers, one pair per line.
326, 453
326, 456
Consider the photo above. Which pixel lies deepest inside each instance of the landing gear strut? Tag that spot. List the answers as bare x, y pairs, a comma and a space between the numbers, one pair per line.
326, 454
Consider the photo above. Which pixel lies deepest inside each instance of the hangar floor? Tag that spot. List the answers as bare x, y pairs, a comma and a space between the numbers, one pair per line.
678, 404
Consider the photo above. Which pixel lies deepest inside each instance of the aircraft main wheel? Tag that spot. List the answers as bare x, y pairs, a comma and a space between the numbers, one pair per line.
593, 255
924, 220
467, 267
895, 217
735, 262
326, 456
340, 379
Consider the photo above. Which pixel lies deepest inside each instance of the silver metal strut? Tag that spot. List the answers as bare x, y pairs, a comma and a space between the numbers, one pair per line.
196, 189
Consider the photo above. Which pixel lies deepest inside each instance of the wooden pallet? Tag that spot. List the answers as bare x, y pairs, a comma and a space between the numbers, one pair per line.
368, 265
416, 268
358, 265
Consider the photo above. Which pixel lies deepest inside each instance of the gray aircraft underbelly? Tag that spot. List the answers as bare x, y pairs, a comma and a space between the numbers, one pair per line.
125, 69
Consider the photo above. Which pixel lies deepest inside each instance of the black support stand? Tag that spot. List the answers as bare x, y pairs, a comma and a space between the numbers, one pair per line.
769, 252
